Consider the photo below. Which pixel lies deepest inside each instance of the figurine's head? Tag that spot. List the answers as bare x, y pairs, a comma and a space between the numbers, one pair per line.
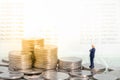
93, 46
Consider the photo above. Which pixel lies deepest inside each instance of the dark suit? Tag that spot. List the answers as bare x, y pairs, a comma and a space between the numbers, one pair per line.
92, 55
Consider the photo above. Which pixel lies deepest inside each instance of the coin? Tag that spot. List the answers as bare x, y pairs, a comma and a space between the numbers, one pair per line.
5, 60
115, 73
32, 71
3, 64
104, 77
33, 77
53, 75
11, 75
79, 78
98, 67
111, 68
3, 69
70, 63
82, 73
63, 70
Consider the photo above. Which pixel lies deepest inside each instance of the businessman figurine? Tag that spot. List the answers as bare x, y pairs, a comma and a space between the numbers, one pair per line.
92, 55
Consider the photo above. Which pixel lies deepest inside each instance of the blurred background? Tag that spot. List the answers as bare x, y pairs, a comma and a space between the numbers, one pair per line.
72, 25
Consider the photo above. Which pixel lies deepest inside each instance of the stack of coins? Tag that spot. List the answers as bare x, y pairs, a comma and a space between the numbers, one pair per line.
70, 63
46, 57
28, 45
39, 42
53, 75
20, 60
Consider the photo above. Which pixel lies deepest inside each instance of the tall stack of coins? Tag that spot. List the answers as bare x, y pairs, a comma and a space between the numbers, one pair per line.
20, 60
28, 45
70, 63
46, 57
39, 42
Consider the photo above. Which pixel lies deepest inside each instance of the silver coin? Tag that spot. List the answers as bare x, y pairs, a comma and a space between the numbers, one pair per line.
32, 71
63, 70
79, 78
15, 79
115, 73
97, 68
11, 75
70, 63
104, 77
82, 73
3, 64
53, 75
5, 60
3, 69
75, 70
33, 77
111, 68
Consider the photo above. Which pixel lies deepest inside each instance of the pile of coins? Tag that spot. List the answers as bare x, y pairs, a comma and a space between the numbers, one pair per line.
20, 60
40, 62
46, 57
70, 63
53, 74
